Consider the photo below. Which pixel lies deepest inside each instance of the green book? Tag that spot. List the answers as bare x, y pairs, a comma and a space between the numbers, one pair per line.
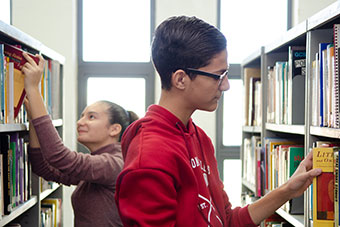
295, 156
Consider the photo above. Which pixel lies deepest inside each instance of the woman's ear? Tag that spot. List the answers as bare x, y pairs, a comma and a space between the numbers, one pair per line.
179, 79
115, 129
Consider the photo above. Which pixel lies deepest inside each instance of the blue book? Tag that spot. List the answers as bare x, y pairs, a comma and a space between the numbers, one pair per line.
322, 46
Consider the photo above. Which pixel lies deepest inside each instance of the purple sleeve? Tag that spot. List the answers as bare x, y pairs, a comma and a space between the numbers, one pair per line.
102, 169
41, 167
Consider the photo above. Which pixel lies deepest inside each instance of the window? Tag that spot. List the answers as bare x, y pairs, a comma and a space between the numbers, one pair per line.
5, 11
114, 53
233, 114
116, 30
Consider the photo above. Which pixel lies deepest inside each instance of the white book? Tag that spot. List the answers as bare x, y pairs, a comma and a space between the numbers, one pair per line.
10, 93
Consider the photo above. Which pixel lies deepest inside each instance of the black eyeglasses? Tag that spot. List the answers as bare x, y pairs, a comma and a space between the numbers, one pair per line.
203, 73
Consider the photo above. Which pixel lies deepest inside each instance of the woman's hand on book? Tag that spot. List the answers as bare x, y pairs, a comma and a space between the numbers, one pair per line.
33, 72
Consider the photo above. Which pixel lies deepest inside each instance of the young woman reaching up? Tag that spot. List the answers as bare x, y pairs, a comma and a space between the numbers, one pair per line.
100, 128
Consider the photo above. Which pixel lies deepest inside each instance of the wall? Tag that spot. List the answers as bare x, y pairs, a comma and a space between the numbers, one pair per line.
53, 23
302, 9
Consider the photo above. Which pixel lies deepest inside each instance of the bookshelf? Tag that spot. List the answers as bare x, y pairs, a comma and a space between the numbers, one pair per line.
28, 213
309, 33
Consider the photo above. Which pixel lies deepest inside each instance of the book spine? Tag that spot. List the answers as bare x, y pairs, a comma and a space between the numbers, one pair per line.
336, 31
336, 188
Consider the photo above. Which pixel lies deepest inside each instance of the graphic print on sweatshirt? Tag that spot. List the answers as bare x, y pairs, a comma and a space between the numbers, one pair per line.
205, 202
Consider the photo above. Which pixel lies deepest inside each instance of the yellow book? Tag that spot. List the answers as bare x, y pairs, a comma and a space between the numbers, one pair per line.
323, 187
56, 211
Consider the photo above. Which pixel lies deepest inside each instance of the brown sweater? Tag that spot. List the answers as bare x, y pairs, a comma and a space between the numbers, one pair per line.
94, 174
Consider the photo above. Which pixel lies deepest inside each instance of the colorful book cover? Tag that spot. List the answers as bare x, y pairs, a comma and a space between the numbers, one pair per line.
323, 187
295, 156
15, 55
13, 145
273, 142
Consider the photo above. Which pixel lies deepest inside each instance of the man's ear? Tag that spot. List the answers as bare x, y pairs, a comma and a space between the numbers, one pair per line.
115, 129
179, 79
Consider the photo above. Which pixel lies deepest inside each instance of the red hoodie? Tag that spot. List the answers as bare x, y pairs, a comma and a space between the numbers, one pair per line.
170, 176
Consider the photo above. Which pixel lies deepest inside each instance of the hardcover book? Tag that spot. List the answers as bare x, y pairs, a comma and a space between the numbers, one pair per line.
323, 187
295, 156
296, 84
15, 55
336, 34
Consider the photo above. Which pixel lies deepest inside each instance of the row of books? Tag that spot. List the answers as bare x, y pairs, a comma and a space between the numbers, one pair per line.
12, 92
253, 97
278, 161
252, 149
51, 212
15, 172
286, 88
325, 83
270, 165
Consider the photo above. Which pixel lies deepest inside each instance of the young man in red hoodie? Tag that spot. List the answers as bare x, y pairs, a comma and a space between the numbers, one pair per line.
170, 177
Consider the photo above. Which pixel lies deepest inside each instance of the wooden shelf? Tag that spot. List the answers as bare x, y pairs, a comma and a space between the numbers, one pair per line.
253, 59
13, 127
295, 220
47, 192
24, 126
18, 210
249, 185
291, 129
326, 132
251, 129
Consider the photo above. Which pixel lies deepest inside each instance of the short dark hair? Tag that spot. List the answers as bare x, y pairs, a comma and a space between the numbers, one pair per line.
118, 115
184, 42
